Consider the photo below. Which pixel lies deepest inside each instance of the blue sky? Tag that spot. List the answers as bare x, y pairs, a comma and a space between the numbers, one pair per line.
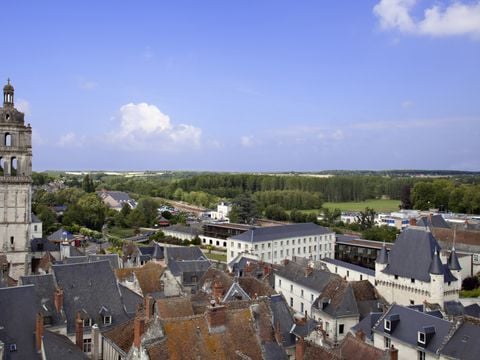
247, 85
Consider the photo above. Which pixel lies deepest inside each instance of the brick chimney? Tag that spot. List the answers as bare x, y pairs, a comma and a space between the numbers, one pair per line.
217, 290
266, 270
39, 331
413, 222
278, 334
79, 331
138, 329
149, 302
300, 349
393, 353
308, 271
286, 261
216, 317
58, 299
360, 335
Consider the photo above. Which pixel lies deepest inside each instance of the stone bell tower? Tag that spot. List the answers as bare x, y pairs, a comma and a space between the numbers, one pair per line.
15, 185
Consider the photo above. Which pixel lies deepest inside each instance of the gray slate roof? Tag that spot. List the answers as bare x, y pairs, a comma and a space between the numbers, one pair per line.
130, 299
184, 253
282, 232
17, 320
114, 259
60, 235
43, 244
433, 221
382, 256
347, 265
412, 255
366, 325
411, 321
316, 280
273, 351
283, 319
44, 296
89, 287
464, 343
59, 347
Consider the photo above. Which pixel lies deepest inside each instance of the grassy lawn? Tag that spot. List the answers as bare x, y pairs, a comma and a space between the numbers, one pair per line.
121, 232
217, 257
376, 204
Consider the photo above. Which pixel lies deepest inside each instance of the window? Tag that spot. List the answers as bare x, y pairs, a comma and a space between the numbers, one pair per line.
387, 325
269, 245
412, 302
275, 254
238, 245
341, 328
12, 239
291, 301
107, 320
304, 249
361, 277
421, 337
311, 297
35, 227
301, 307
279, 282
396, 277
348, 273
288, 252
263, 246
87, 322
304, 240
421, 355
309, 249
8, 139
231, 254
281, 243
412, 280
293, 251
301, 293
225, 244
291, 288
388, 342
288, 242
256, 247
293, 242
281, 253
336, 269
87, 345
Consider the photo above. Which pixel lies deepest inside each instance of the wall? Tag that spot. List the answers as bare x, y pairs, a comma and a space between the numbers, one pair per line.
292, 290
349, 274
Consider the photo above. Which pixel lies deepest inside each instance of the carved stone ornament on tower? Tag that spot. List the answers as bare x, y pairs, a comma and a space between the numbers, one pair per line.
15, 184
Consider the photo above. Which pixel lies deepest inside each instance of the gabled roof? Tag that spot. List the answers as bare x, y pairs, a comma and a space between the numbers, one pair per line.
382, 256
17, 319
119, 196
412, 255
121, 335
235, 292
352, 348
464, 342
436, 221
43, 244
283, 319
148, 276
184, 253
410, 323
114, 259
282, 232
315, 280
473, 310
174, 307
347, 265
61, 235
130, 299
60, 347
44, 296
366, 325
89, 287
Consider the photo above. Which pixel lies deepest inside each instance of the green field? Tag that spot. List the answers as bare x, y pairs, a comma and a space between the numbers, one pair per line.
217, 257
377, 205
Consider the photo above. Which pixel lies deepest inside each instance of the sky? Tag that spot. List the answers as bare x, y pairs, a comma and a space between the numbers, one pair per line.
264, 85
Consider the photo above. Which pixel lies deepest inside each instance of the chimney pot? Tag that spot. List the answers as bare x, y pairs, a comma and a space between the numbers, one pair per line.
39, 331
300, 349
58, 299
138, 329
79, 331
216, 316
393, 353
149, 303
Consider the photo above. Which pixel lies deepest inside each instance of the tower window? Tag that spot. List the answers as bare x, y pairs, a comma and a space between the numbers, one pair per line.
8, 139
12, 239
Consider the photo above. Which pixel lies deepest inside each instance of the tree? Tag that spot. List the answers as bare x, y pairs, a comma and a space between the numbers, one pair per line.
87, 184
276, 212
48, 218
366, 218
405, 197
423, 194
244, 209
149, 208
331, 217
381, 233
470, 283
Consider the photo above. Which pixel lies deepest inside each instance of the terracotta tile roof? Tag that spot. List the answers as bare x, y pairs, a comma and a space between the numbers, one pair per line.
263, 319
254, 286
363, 290
352, 348
238, 337
148, 276
121, 335
315, 352
174, 307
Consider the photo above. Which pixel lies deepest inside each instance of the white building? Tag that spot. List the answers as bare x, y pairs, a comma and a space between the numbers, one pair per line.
349, 272
276, 243
223, 210
414, 272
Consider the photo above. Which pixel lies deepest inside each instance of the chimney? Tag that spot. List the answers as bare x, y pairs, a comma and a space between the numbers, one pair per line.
217, 290
138, 329
413, 222
266, 270
216, 317
300, 349
58, 299
79, 331
39, 331
308, 271
96, 343
360, 335
393, 353
149, 302
278, 334
248, 267
285, 262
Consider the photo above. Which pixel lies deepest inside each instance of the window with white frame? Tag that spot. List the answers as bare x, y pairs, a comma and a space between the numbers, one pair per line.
107, 320
388, 342
87, 345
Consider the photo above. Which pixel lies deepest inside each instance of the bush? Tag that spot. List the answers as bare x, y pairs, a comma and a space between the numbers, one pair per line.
470, 283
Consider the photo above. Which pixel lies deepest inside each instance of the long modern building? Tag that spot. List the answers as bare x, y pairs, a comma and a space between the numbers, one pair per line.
277, 243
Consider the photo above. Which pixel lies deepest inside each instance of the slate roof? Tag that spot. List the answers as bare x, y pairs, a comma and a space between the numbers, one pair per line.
282, 232
273, 351
282, 317
412, 255
114, 259
60, 347
473, 310
184, 253
43, 244
152, 252
130, 299
119, 196
347, 265
367, 323
316, 280
382, 256
411, 321
433, 221
453, 263
235, 292
44, 296
60, 235
189, 270
464, 343
89, 287
17, 320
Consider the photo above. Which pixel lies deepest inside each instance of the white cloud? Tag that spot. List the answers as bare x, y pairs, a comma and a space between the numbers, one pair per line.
71, 139
143, 126
457, 18
246, 141
23, 106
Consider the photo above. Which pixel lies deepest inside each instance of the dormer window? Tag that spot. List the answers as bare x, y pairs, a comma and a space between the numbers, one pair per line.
107, 320
421, 337
387, 325
87, 322
425, 335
